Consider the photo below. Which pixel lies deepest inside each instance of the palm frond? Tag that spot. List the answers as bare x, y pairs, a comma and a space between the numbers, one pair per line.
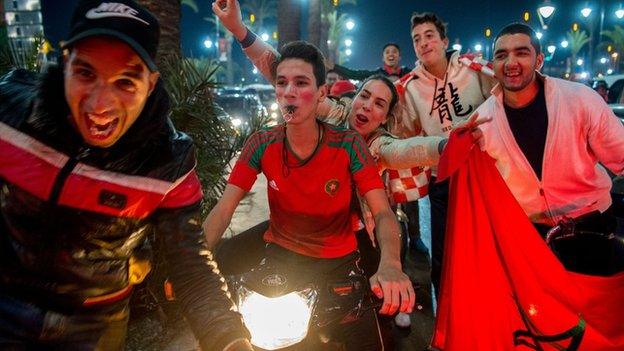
577, 40
190, 83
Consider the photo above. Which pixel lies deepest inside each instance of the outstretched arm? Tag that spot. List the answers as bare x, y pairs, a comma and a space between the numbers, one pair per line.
418, 151
389, 283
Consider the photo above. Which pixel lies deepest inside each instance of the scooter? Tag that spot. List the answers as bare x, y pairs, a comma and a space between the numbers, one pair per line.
285, 308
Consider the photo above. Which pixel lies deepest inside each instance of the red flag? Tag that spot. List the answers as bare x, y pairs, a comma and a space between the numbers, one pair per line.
502, 288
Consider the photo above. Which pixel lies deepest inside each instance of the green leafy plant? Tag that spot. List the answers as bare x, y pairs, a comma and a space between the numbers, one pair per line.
190, 83
12, 57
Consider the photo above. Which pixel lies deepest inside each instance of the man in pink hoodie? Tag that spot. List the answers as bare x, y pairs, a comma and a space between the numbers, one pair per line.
552, 140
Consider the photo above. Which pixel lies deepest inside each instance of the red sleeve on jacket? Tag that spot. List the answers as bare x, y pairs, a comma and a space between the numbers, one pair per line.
186, 191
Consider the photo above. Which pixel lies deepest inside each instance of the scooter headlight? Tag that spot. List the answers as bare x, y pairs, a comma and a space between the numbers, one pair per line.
277, 322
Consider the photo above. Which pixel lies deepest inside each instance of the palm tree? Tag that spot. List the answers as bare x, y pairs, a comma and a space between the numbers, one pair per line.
168, 13
336, 28
327, 7
577, 40
616, 39
288, 20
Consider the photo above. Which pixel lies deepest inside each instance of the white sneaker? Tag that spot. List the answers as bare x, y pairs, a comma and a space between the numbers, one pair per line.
402, 320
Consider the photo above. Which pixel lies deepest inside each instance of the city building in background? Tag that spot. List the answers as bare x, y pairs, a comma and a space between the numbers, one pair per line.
24, 22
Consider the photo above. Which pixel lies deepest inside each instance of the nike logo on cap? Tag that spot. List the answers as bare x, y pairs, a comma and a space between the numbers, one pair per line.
113, 9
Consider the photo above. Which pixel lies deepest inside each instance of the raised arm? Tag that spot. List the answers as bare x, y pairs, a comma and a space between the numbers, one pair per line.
261, 54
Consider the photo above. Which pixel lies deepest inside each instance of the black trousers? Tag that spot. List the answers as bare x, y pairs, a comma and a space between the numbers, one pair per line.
438, 197
589, 252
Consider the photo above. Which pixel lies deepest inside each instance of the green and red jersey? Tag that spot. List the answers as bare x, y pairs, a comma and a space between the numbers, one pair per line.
310, 201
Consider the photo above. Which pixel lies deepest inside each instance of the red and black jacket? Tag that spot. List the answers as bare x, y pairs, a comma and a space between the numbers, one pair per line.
73, 215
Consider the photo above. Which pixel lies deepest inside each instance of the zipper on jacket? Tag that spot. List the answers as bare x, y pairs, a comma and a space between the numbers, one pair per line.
59, 183
61, 178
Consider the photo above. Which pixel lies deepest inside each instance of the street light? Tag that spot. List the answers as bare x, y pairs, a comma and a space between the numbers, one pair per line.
603, 60
546, 10
586, 11
539, 35
350, 25
609, 71
348, 42
478, 47
579, 62
551, 49
348, 52
564, 43
619, 13
264, 36
457, 47
208, 43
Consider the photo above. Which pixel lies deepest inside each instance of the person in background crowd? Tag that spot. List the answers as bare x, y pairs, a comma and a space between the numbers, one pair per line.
343, 90
391, 58
600, 86
331, 77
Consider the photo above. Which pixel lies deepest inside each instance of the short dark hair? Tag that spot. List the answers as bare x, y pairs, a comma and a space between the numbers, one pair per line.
393, 91
391, 44
520, 28
304, 51
429, 17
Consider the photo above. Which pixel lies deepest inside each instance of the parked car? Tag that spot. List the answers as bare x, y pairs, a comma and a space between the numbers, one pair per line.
245, 110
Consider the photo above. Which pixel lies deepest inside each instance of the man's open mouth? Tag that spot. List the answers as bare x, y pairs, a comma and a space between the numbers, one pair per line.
512, 74
101, 126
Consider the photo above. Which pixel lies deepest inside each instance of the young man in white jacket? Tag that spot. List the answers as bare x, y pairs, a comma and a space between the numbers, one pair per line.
439, 93
551, 139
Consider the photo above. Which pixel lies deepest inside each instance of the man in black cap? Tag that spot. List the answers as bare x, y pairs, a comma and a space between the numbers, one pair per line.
90, 167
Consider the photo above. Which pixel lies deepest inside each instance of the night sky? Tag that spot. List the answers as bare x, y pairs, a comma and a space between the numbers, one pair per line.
381, 21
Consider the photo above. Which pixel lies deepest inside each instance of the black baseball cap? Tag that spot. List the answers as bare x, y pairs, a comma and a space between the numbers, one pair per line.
122, 19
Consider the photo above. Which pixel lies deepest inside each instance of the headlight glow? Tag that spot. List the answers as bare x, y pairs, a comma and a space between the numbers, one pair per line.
277, 322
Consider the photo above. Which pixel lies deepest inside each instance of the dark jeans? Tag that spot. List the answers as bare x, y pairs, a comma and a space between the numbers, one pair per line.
24, 326
413, 224
589, 252
242, 252
438, 197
